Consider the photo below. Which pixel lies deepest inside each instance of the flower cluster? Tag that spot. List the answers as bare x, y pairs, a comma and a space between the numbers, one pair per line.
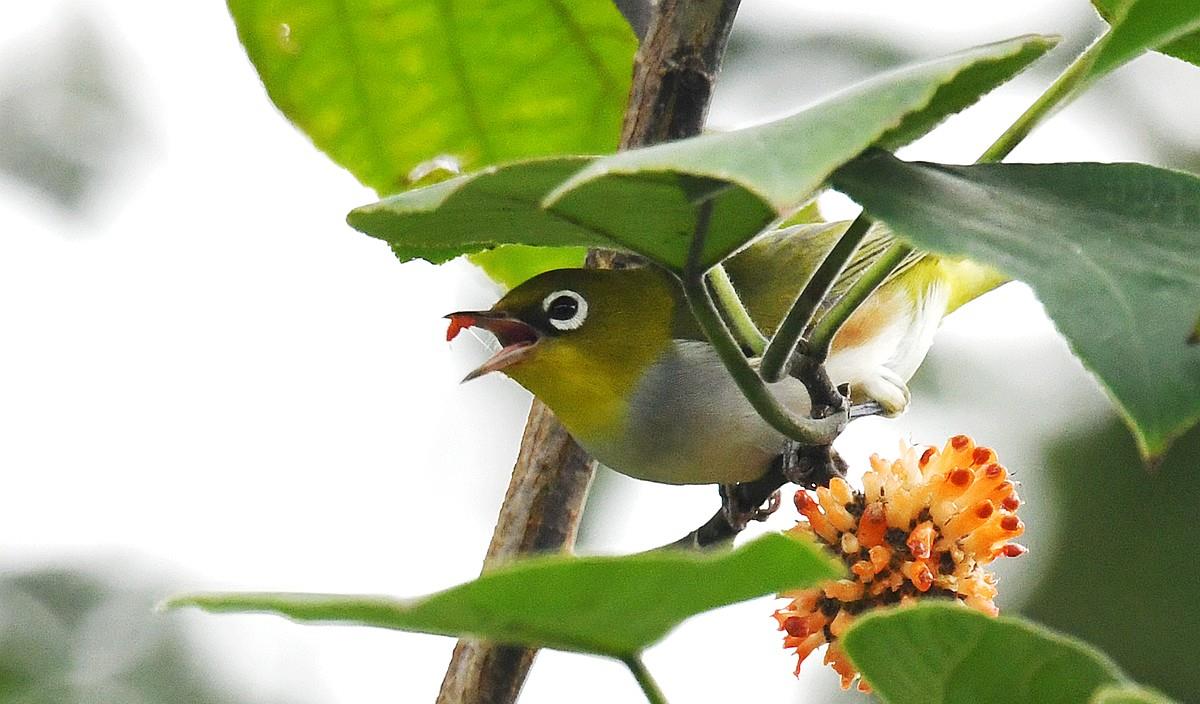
924, 525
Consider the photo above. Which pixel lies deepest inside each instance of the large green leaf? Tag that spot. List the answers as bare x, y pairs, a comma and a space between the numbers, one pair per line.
383, 86
646, 200
757, 174
606, 605
1112, 250
1169, 26
785, 160
949, 654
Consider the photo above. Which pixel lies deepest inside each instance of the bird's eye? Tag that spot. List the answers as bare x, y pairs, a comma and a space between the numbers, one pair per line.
566, 309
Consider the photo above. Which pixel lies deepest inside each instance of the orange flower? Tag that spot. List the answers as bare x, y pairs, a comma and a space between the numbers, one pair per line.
923, 526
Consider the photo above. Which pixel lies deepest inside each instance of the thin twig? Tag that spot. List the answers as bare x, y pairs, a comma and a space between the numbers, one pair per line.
821, 338
1069, 84
649, 687
787, 335
809, 431
734, 311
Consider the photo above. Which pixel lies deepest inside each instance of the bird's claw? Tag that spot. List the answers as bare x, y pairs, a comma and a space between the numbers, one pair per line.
765, 511
888, 389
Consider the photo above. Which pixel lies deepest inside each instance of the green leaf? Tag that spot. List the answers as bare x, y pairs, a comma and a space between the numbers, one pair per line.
382, 87
1112, 250
949, 654
481, 210
605, 605
511, 264
1169, 26
1128, 694
645, 200
756, 175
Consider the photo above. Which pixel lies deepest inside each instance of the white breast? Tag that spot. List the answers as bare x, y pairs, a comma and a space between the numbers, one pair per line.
689, 423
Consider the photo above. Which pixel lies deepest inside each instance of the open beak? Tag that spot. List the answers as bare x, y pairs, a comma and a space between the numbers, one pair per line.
515, 337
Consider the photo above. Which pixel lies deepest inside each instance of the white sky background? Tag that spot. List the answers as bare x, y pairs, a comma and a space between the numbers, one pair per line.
212, 374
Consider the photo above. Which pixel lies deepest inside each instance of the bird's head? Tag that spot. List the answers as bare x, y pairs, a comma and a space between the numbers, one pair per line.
579, 336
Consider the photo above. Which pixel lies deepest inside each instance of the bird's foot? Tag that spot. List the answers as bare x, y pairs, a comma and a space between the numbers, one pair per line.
812, 466
740, 506
886, 388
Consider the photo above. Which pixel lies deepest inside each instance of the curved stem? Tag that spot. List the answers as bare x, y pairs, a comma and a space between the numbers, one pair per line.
806, 431
1065, 87
822, 335
1068, 84
649, 687
787, 335
734, 311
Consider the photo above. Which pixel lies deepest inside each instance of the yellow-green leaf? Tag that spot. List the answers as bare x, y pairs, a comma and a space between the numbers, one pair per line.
382, 86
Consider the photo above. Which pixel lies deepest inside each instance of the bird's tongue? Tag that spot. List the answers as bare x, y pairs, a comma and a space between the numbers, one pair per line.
514, 336
458, 323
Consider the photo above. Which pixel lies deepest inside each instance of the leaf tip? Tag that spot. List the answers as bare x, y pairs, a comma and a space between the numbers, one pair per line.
356, 218
174, 603
1047, 40
1152, 461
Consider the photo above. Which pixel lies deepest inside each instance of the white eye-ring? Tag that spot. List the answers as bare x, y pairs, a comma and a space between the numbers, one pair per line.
566, 309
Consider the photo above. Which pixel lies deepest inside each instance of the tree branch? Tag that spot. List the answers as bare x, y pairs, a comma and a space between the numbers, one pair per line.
676, 69
540, 513
674, 74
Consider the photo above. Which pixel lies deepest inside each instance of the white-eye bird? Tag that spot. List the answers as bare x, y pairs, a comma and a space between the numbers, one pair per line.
618, 357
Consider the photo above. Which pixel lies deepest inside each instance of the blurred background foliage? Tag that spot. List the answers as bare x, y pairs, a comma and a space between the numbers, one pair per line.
1124, 574
75, 636
1114, 556
64, 116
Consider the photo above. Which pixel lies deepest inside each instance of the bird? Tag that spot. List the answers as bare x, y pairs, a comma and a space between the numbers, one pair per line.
619, 359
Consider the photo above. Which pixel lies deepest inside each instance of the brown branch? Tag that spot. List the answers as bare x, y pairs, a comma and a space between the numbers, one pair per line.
540, 513
674, 75
676, 69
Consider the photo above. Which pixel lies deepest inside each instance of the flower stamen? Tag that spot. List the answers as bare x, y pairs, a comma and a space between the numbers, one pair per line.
923, 526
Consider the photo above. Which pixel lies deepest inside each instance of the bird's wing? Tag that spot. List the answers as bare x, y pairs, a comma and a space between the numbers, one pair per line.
879, 238
770, 272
